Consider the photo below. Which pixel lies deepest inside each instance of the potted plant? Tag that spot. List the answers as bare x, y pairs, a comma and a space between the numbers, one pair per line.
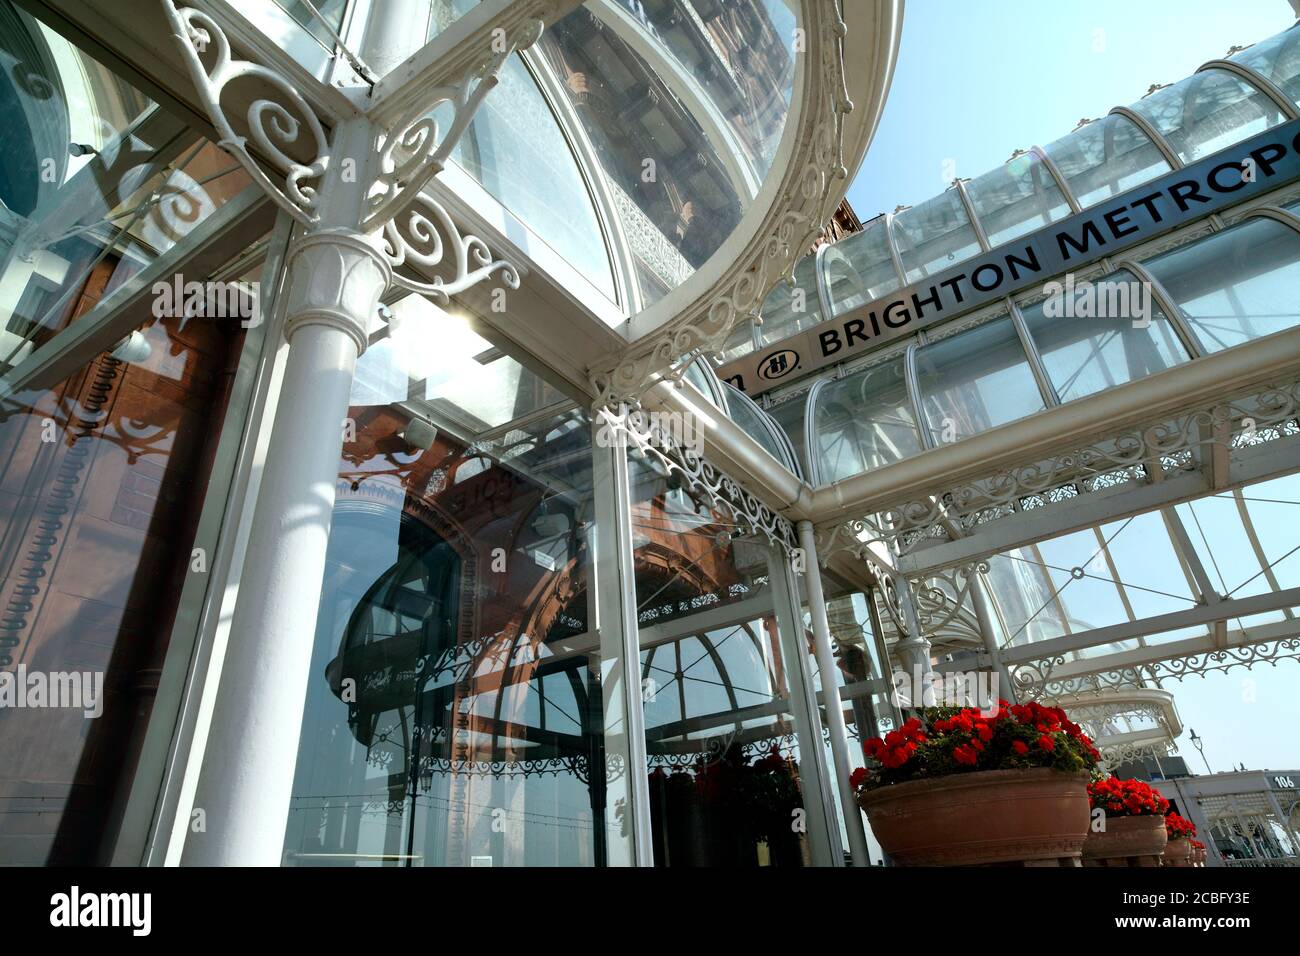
1181, 831
1130, 830
962, 787
1198, 853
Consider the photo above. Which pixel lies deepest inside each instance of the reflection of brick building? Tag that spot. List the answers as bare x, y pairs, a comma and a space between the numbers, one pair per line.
103, 476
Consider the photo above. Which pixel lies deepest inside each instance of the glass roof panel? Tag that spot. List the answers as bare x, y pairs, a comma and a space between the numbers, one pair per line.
1274, 511
934, 235
790, 415
683, 104
515, 142
1215, 528
863, 421
1147, 565
1085, 354
859, 268
1207, 112
1238, 285
755, 423
975, 380
1277, 59
1105, 158
1017, 197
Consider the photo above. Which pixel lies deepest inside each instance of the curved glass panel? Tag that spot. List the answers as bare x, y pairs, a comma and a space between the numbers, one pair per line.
863, 421
683, 105
859, 268
975, 380
934, 235
513, 145
1100, 334
1106, 158
1238, 285
1017, 197
705, 382
1277, 59
791, 308
754, 423
790, 417
1208, 112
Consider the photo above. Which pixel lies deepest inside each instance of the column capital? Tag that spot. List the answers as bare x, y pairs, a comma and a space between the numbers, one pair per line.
336, 277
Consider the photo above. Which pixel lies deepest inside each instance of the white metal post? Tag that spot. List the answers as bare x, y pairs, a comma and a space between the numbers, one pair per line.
614, 600
831, 697
819, 806
336, 277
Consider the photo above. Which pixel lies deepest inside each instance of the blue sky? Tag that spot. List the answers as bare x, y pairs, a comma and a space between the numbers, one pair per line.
977, 80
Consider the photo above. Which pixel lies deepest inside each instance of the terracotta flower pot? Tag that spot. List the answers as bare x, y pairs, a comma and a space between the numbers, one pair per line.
1134, 839
1178, 853
972, 819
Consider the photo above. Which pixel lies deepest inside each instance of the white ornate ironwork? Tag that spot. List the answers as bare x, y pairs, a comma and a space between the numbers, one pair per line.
272, 125
1036, 680
424, 234
805, 203
1173, 445
701, 477
418, 231
415, 153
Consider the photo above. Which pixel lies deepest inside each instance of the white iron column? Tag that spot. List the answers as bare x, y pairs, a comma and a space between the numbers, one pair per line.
914, 650
831, 697
335, 279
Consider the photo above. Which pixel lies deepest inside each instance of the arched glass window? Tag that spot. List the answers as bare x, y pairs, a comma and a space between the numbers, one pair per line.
513, 145
1017, 197
1106, 158
859, 268
1237, 285
1088, 343
790, 415
863, 421
758, 425
975, 380
1207, 112
934, 236
1277, 59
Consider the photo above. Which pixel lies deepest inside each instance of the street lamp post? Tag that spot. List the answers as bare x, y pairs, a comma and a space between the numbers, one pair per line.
1199, 744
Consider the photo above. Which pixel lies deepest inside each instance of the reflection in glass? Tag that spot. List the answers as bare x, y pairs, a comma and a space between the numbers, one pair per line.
863, 421
1017, 197
684, 105
454, 712
513, 147
1083, 355
1207, 112
933, 236
1237, 285
1105, 158
974, 381
721, 736
791, 308
102, 479
859, 268
1277, 59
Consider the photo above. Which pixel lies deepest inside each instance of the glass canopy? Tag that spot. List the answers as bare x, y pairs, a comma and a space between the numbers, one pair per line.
1208, 294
